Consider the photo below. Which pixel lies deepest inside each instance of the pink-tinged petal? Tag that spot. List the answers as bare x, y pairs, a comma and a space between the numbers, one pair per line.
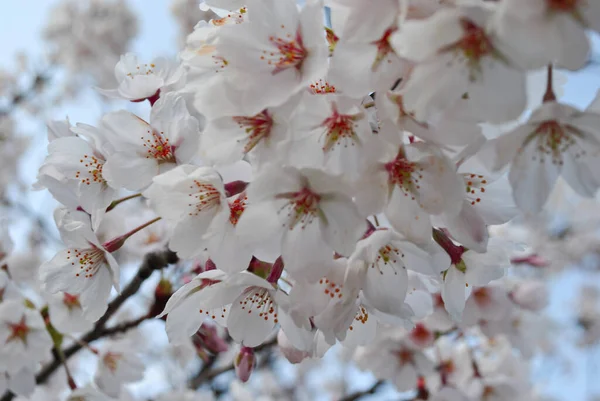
130, 171
532, 177
468, 228
407, 217
305, 253
342, 226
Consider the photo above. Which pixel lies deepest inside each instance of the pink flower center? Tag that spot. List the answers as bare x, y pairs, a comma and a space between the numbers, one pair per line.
18, 331
204, 197
158, 147
291, 52
474, 44
384, 48
236, 208
71, 301
421, 335
552, 140
89, 261
482, 296
404, 173
562, 5
404, 356
302, 207
339, 129
257, 127
93, 170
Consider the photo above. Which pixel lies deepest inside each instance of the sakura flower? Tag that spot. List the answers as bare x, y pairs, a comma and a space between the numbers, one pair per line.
138, 81
276, 54
487, 201
332, 132
558, 140
531, 294
385, 256
118, 363
143, 150
455, 49
556, 27
395, 360
364, 60
66, 313
486, 303
304, 211
259, 137
193, 199
453, 361
73, 171
84, 268
408, 183
469, 269
23, 336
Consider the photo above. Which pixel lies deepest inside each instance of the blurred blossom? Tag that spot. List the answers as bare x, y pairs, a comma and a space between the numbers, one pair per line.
87, 37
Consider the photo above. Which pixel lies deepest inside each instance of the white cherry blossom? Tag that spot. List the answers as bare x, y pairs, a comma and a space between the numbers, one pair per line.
143, 150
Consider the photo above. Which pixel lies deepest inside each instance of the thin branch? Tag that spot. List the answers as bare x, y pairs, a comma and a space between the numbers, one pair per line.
206, 375
19, 97
359, 394
152, 261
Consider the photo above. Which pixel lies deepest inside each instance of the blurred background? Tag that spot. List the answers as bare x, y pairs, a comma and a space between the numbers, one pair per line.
54, 52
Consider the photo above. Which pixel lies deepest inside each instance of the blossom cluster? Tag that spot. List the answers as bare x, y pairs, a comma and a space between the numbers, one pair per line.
328, 181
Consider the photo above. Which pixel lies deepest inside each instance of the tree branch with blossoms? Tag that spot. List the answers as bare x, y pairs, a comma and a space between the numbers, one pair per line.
305, 188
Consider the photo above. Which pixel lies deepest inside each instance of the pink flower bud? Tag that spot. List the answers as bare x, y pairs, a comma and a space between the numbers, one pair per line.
244, 363
531, 295
291, 353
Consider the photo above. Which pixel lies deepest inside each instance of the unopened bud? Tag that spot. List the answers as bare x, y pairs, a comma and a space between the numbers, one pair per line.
209, 338
162, 293
244, 363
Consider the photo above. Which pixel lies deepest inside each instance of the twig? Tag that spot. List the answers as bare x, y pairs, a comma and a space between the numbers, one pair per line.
359, 394
152, 261
206, 375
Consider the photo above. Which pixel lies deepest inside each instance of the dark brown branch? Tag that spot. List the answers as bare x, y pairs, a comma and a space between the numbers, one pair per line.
152, 262
359, 394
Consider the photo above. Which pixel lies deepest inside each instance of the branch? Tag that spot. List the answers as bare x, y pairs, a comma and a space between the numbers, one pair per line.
19, 97
360, 394
152, 261
206, 375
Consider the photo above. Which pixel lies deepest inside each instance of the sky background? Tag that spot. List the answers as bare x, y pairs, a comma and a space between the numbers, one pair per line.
21, 23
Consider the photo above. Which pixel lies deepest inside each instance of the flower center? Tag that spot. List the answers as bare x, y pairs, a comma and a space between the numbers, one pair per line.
111, 360
421, 335
291, 52
71, 301
403, 173
321, 87
474, 185
331, 289
562, 5
552, 140
257, 127
404, 356
89, 261
339, 128
259, 300
92, 172
384, 48
204, 197
158, 147
146, 69
302, 207
362, 316
18, 331
482, 296
236, 208
474, 44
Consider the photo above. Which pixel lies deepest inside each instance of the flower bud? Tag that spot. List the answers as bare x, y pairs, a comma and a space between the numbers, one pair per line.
244, 363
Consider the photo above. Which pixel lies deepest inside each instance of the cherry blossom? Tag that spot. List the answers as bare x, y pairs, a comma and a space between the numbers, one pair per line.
143, 150
306, 212
282, 55
138, 81
118, 364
